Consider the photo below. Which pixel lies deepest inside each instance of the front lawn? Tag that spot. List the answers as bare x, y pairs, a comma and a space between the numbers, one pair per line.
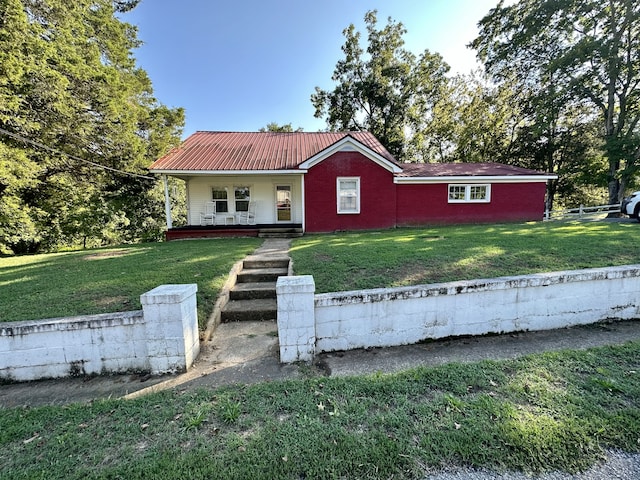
112, 279
413, 256
541, 412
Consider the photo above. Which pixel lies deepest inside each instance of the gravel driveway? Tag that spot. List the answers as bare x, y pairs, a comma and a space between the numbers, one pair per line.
619, 466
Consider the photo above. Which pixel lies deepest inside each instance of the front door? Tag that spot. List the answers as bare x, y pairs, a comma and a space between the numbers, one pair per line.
283, 203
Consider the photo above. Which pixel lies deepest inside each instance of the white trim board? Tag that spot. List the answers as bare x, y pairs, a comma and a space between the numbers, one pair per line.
476, 179
227, 172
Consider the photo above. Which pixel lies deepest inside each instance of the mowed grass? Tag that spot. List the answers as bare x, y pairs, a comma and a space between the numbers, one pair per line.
542, 412
413, 256
112, 279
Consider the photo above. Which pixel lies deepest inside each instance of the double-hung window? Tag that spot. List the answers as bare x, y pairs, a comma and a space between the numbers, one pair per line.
348, 189
219, 197
469, 193
242, 197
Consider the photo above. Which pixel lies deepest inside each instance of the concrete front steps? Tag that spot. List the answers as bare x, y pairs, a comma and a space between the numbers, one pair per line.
281, 232
253, 298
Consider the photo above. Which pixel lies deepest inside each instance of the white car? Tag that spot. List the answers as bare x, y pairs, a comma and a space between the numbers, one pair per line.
631, 205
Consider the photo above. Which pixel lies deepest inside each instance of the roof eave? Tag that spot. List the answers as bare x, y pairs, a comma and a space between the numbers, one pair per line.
161, 171
476, 179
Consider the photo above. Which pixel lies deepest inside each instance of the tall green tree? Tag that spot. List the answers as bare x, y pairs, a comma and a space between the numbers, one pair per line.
585, 50
275, 127
473, 121
69, 82
382, 88
531, 126
564, 142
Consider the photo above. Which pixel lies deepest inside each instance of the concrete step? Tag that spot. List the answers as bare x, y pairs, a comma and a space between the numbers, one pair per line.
252, 290
250, 310
266, 261
280, 235
280, 232
250, 275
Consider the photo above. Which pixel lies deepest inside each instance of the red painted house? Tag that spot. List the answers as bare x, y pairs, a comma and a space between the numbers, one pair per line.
327, 181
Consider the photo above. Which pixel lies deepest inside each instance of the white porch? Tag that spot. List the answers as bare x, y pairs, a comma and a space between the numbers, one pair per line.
275, 199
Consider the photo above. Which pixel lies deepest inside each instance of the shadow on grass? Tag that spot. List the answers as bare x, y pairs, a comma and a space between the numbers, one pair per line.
112, 279
410, 256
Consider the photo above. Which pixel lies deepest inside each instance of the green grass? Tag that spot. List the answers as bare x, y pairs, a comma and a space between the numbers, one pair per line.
540, 412
413, 256
112, 279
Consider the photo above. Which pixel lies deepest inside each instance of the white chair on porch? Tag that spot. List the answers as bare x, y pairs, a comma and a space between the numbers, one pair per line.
248, 217
208, 217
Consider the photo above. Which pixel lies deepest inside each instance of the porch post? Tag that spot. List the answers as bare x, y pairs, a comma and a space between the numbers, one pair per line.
304, 218
167, 202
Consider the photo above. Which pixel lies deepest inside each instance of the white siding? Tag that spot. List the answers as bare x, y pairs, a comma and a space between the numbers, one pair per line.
262, 192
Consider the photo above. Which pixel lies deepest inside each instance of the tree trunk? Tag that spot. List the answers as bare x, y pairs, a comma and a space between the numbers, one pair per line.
613, 156
552, 188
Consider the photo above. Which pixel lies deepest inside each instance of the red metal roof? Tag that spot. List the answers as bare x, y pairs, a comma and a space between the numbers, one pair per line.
251, 151
463, 170
206, 151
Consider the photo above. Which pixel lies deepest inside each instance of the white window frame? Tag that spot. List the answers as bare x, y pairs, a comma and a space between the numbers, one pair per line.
236, 188
339, 181
216, 200
468, 188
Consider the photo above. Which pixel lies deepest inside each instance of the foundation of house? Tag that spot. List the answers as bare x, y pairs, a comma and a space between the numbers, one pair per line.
215, 231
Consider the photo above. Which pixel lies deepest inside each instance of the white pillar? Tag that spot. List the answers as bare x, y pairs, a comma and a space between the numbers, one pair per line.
296, 318
171, 323
167, 202
303, 200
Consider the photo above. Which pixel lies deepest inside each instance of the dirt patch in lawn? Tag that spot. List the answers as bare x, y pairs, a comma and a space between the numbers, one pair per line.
322, 257
410, 274
117, 301
107, 254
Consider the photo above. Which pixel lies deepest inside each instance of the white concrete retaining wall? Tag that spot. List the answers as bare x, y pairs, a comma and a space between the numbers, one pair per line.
400, 316
296, 320
161, 338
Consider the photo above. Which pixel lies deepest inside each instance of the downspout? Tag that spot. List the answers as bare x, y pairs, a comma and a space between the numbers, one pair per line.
167, 202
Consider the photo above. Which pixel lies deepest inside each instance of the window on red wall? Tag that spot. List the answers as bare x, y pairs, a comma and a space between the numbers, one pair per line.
469, 193
348, 189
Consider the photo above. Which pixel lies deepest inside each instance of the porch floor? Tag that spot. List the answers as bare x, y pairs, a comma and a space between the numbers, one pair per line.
277, 230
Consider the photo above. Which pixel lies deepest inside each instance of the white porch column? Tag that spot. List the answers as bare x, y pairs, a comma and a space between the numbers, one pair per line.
167, 202
304, 216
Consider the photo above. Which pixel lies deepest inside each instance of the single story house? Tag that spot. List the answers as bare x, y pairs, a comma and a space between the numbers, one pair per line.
329, 181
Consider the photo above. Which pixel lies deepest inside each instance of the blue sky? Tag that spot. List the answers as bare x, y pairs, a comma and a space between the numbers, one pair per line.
238, 65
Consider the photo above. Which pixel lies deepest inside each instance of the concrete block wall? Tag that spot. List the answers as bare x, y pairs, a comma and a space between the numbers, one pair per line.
171, 320
296, 327
72, 346
160, 338
400, 316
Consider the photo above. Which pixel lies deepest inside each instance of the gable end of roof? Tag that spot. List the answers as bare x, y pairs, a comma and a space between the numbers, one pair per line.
350, 144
